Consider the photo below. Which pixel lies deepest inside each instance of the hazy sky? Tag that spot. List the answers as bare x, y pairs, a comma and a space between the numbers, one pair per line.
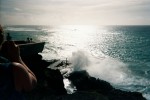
91, 12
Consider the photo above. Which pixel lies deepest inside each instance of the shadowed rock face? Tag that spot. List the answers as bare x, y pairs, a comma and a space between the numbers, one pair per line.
49, 80
54, 81
51, 87
84, 82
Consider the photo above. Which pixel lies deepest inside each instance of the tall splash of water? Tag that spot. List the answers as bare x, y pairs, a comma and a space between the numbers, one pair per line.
107, 68
112, 70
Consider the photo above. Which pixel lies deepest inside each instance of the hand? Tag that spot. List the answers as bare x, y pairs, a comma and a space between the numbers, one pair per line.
12, 51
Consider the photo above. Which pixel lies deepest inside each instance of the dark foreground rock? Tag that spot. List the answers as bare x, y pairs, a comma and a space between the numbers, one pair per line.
49, 80
51, 87
84, 82
75, 96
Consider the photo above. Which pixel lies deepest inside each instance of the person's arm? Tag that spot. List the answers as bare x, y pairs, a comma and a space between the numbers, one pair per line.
24, 78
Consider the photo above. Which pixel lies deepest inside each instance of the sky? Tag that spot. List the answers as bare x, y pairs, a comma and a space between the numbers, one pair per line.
75, 12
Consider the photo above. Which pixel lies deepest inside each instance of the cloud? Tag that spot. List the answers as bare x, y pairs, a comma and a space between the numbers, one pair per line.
76, 11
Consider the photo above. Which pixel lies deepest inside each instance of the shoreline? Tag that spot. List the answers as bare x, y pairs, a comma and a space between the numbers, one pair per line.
51, 85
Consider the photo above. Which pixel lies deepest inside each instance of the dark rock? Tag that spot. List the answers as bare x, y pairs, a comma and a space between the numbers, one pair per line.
84, 96
50, 84
54, 81
117, 94
49, 80
42, 95
84, 82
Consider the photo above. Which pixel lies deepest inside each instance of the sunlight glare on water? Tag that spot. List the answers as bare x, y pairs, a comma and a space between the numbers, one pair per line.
70, 38
66, 39
77, 34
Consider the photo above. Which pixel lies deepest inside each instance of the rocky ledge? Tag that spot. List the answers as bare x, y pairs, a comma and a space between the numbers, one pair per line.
51, 87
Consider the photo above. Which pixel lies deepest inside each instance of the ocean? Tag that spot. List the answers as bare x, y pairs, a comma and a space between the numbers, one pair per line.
117, 54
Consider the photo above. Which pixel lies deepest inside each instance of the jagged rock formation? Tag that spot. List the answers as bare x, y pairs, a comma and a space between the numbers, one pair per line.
84, 82
51, 87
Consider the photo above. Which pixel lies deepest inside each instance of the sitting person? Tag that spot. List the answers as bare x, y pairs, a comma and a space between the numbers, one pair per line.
15, 76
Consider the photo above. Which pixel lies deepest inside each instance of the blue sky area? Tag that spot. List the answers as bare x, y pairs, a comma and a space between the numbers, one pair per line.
78, 12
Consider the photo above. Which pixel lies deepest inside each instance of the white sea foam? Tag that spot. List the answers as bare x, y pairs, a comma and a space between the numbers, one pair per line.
20, 29
111, 70
107, 68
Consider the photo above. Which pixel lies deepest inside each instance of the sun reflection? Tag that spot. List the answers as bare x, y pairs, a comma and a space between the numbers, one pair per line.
78, 35
81, 28
70, 38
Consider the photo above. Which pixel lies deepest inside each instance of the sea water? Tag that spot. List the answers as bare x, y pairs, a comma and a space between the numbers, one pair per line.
117, 54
